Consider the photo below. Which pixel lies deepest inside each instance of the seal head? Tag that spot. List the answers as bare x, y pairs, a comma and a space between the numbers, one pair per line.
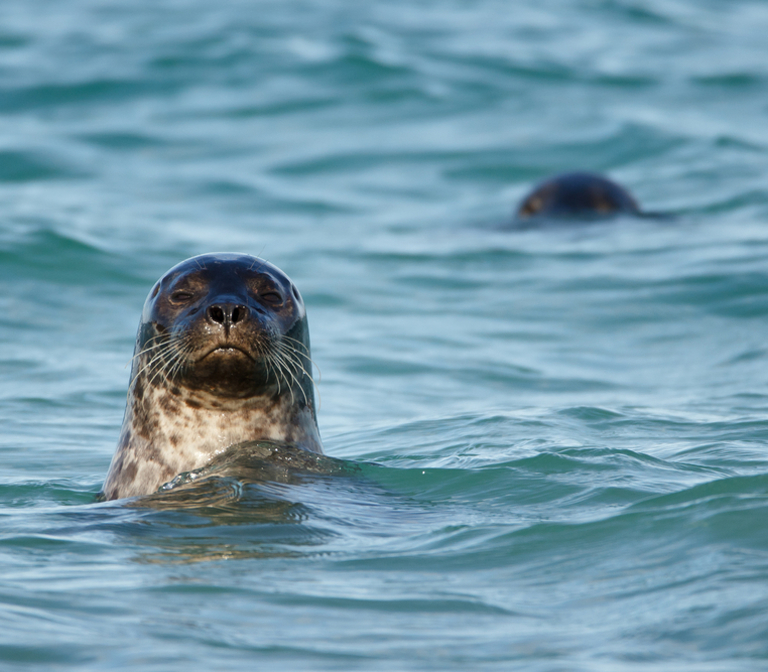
576, 195
222, 357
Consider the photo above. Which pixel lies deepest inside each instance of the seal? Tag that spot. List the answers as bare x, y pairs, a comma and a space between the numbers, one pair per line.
222, 357
576, 195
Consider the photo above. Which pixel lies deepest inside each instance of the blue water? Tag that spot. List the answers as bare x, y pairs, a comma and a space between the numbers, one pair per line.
555, 438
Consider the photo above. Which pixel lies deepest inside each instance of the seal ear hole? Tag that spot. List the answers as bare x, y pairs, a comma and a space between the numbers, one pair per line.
295, 293
155, 290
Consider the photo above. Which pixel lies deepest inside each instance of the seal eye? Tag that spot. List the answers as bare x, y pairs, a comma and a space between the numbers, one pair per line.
181, 296
272, 298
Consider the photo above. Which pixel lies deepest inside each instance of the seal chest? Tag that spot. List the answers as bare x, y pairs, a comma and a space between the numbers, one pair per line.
222, 356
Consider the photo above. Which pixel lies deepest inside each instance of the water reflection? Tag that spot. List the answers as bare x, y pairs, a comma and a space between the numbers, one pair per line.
256, 500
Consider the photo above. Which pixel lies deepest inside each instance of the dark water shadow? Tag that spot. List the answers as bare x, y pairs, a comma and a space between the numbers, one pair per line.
576, 221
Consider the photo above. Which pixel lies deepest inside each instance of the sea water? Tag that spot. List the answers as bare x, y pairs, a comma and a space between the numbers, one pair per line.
554, 439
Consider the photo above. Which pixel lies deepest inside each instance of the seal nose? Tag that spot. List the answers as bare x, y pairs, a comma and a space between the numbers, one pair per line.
227, 314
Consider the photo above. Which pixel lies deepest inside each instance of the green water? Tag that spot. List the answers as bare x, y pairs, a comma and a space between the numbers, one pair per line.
554, 440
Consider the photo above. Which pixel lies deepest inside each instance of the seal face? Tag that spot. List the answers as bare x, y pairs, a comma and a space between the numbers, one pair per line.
222, 357
572, 195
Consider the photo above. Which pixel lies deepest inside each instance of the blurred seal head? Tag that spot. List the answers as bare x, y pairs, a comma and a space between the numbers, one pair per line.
576, 195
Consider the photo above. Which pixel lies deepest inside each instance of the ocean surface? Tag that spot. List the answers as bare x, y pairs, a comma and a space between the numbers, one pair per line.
550, 445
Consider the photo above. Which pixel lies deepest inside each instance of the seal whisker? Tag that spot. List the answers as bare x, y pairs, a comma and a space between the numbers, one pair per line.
303, 350
154, 343
150, 363
158, 372
181, 359
285, 358
269, 365
295, 366
279, 375
291, 365
283, 368
184, 348
298, 350
299, 344
258, 260
166, 354
145, 350
265, 356
289, 352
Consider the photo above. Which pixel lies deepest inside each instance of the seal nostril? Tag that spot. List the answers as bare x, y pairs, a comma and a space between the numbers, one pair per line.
216, 314
227, 313
239, 313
